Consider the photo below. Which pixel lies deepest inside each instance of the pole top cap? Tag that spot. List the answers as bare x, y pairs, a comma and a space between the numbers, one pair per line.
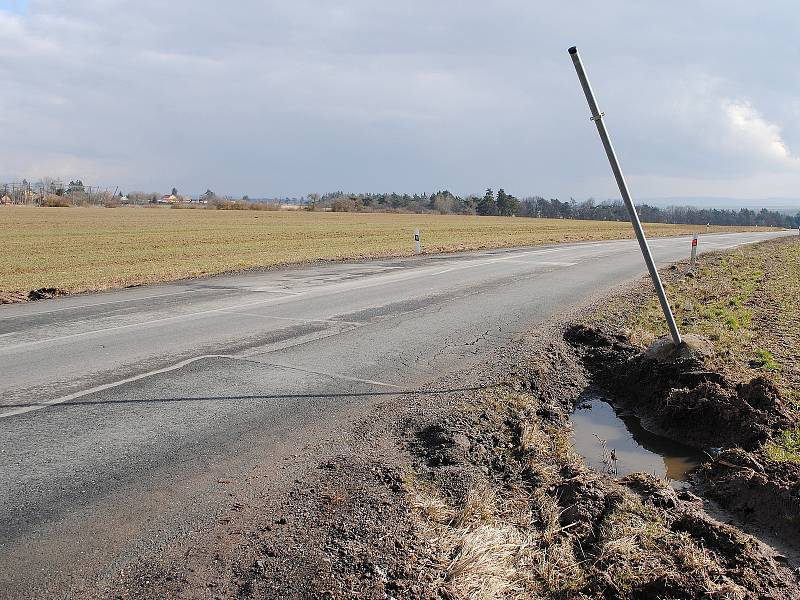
573, 50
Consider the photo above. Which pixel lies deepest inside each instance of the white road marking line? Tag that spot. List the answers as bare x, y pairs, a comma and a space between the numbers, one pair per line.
26, 409
246, 356
139, 324
7, 334
325, 374
270, 291
542, 263
546, 263
516, 256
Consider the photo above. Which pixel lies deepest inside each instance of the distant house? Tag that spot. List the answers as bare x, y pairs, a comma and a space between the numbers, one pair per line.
5, 200
169, 199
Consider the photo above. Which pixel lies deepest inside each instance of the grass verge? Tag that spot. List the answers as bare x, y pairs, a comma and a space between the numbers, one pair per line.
747, 302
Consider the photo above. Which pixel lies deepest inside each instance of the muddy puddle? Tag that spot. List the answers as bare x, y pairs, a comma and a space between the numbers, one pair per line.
619, 445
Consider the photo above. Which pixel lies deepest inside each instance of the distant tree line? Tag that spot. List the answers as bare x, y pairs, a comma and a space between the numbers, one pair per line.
504, 204
443, 202
616, 211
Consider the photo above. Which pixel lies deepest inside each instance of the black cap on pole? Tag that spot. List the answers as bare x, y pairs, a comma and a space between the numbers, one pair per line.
573, 50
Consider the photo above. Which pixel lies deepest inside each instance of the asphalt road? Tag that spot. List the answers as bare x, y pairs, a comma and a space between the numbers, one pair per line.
119, 410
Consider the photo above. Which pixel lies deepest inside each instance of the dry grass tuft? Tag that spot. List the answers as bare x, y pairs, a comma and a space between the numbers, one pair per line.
484, 565
637, 547
480, 506
532, 439
504, 541
558, 570
433, 508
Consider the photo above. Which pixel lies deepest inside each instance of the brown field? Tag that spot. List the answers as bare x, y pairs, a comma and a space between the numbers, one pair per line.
80, 249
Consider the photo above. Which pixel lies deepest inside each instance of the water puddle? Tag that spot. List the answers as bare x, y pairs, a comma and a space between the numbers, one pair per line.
619, 445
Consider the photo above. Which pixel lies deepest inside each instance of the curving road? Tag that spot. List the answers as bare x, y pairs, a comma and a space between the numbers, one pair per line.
119, 410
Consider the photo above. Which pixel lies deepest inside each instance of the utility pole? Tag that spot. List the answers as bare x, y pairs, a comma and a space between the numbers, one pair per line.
597, 117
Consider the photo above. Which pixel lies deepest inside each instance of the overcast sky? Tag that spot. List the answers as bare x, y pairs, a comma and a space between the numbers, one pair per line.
286, 98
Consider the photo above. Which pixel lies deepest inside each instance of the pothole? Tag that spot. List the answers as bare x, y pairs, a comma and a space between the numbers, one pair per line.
617, 444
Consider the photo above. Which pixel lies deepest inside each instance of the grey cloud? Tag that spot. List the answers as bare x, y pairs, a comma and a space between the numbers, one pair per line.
284, 98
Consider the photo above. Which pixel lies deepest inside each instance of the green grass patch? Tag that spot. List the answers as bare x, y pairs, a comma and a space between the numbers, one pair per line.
785, 447
765, 361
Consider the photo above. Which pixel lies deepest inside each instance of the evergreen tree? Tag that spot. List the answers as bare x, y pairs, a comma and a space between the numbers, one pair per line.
507, 205
75, 187
487, 205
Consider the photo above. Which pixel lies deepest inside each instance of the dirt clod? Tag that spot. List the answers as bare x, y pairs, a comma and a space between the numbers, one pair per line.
45, 293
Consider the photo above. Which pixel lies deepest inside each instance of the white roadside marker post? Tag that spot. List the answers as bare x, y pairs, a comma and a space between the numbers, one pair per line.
416, 240
597, 117
694, 250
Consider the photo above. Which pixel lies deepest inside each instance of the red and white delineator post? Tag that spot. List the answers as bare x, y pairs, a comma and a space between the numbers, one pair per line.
694, 250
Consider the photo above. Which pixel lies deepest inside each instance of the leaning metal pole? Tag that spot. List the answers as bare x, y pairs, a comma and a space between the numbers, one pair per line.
597, 117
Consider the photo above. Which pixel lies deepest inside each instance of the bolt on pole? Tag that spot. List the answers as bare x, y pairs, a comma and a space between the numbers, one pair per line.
597, 117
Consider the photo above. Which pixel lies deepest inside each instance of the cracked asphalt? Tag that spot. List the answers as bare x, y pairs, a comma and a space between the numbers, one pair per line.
121, 411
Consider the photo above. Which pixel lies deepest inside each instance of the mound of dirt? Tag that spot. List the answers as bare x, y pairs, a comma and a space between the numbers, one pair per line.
677, 396
764, 493
46, 293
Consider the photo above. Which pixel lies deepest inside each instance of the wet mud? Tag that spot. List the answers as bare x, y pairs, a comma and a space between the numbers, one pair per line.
679, 398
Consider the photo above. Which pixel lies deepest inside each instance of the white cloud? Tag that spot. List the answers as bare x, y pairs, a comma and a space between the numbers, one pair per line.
756, 134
